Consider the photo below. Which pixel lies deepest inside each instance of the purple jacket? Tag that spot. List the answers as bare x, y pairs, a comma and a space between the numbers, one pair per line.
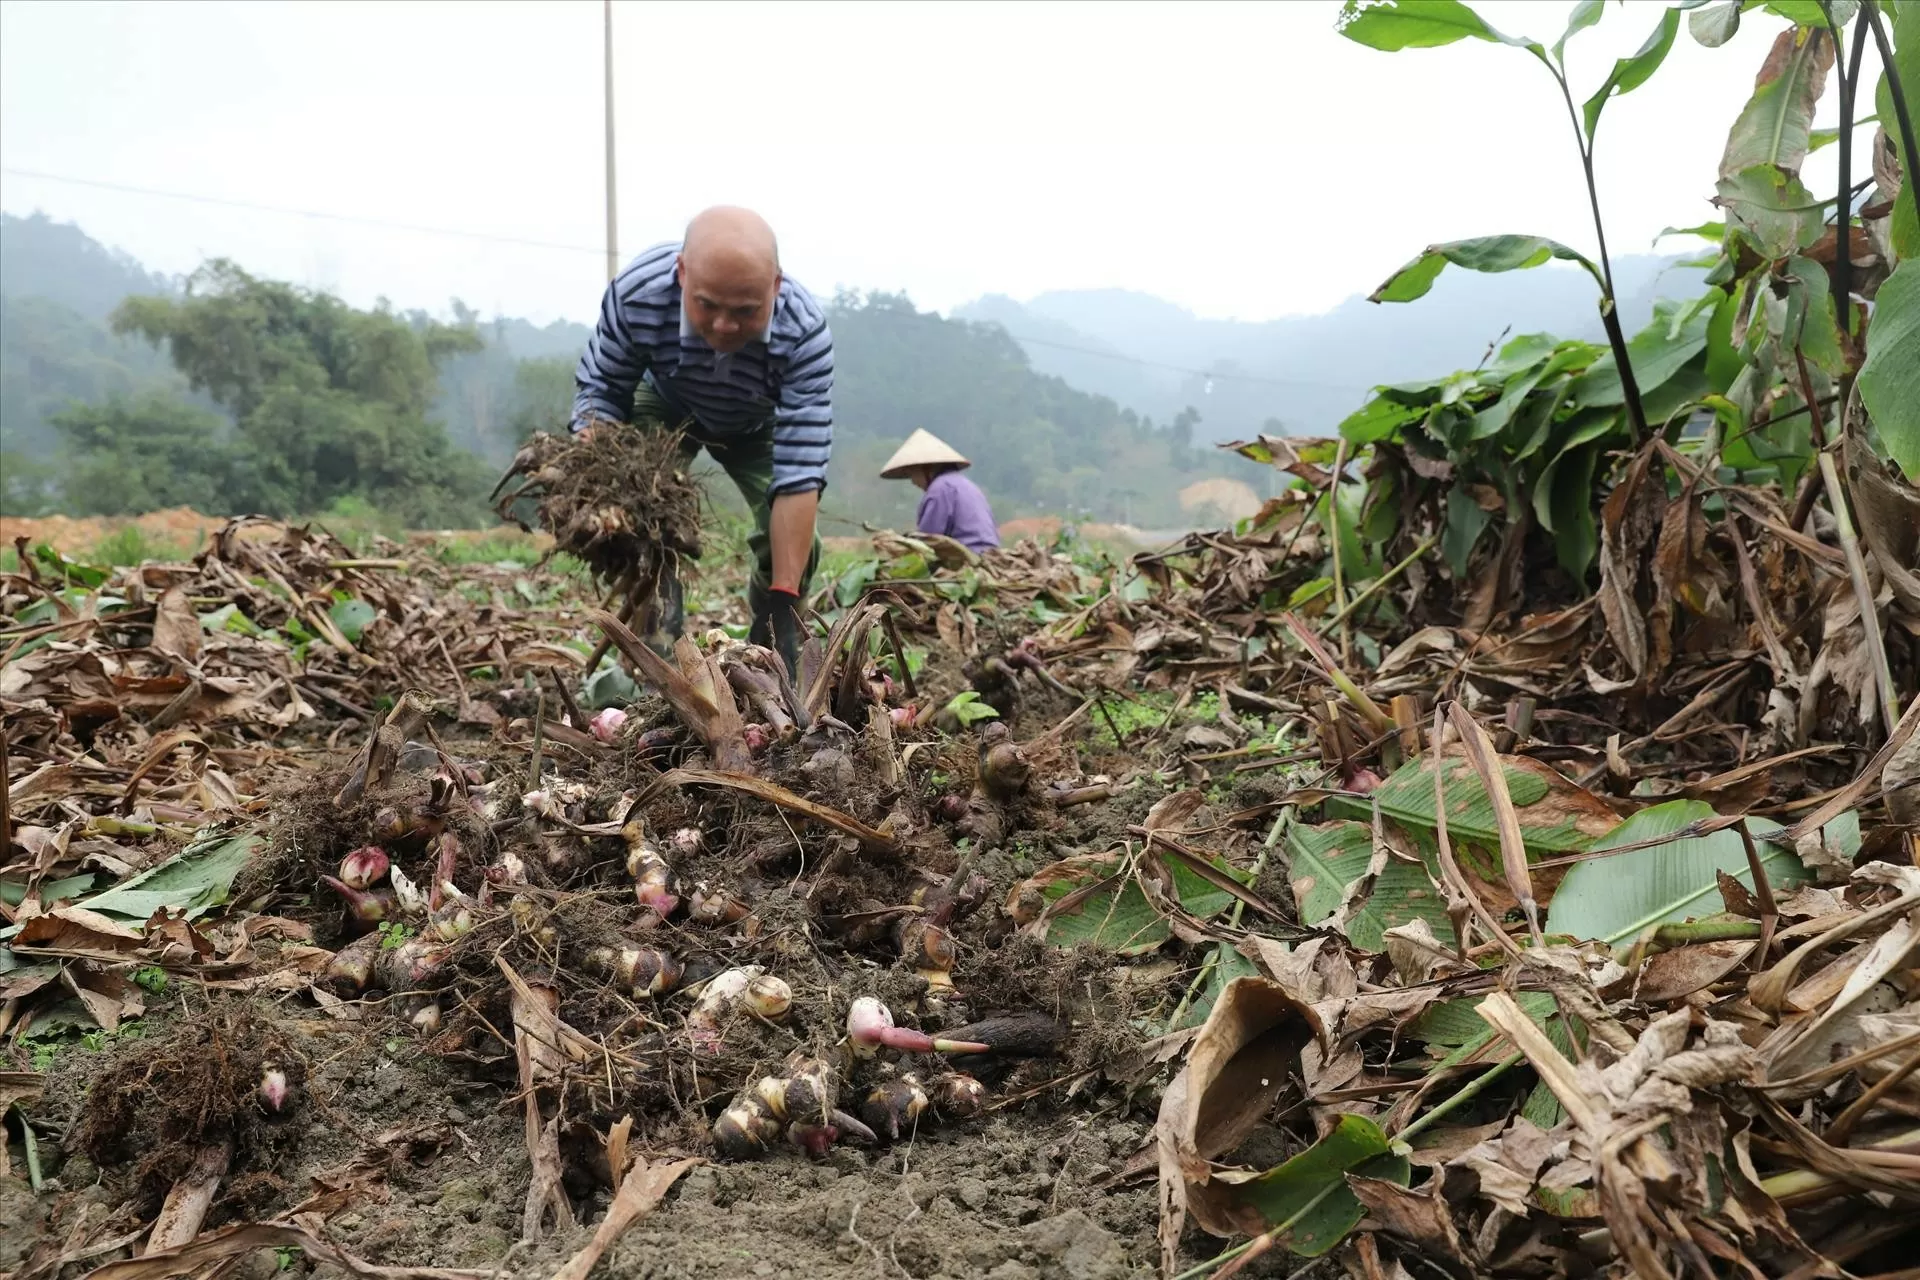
953, 505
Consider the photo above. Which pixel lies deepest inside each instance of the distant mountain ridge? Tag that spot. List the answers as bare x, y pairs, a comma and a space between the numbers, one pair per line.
1306, 372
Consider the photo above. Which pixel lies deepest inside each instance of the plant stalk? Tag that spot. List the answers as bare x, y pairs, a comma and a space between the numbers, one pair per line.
1427, 544
1609, 311
1909, 151
1843, 213
1863, 592
1333, 531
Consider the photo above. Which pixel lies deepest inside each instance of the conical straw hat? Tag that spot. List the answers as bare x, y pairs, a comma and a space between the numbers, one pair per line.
922, 449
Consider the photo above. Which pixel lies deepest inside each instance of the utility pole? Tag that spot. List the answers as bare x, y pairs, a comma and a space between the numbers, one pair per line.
613, 248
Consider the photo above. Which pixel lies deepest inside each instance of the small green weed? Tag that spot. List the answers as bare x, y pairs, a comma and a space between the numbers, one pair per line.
130, 545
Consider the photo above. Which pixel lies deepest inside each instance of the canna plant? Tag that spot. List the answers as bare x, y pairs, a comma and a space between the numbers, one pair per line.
1751, 377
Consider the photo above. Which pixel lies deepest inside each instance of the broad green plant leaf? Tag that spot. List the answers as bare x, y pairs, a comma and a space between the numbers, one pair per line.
1906, 62
1890, 379
1323, 860
1494, 418
1483, 253
1774, 127
1820, 138
1772, 209
1423, 24
1629, 74
1380, 419
1716, 24
1808, 13
194, 881
1657, 353
1466, 521
13, 892
1585, 14
967, 708
1714, 231
1556, 816
1309, 1194
1118, 917
353, 616
1615, 899
1563, 502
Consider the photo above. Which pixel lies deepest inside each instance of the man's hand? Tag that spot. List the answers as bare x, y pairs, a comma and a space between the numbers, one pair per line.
776, 625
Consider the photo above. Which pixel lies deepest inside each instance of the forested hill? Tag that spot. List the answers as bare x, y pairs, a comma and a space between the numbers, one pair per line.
1039, 445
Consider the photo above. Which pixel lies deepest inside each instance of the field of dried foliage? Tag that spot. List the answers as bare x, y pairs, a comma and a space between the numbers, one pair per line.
1057, 918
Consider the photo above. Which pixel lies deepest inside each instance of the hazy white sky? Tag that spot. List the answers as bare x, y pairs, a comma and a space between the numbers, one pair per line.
1240, 159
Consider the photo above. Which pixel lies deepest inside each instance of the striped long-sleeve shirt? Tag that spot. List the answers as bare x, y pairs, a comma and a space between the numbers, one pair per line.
786, 375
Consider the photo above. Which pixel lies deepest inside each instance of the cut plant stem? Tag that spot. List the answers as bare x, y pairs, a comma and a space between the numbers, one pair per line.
1862, 591
1467, 1094
1378, 720
1333, 535
187, 1203
1339, 619
1262, 1242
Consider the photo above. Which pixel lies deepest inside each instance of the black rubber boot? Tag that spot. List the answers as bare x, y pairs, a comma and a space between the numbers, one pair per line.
667, 614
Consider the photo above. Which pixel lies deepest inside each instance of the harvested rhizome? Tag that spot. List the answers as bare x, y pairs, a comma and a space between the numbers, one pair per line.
1058, 917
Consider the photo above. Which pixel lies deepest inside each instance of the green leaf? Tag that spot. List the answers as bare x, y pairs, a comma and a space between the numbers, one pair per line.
1466, 521
1715, 25
1615, 899
1563, 500
1456, 1025
1120, 919
1585, 14
1773, 210
1810, 325
1421, 24
1483, 253
1323, 860
967, 708
194, 882
854, 581
353, 616
1494, 418
1890, 379
1773, 128
1310, 1191
1906, 62
1312, 589
1714, 231
1820, 138
1629, 74
1555, 815
1807, 13
1657, 354
1228, 965
1379, 419
13, 892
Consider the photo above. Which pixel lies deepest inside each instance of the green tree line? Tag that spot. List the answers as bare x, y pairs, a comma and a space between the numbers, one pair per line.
228, 393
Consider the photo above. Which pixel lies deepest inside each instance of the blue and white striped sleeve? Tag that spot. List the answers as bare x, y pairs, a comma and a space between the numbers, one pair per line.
611, 367
617, 354
803, 415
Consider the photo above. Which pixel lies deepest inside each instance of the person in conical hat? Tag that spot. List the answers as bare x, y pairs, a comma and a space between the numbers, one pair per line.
953, 505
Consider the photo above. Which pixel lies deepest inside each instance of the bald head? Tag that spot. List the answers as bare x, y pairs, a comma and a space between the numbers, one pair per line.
729, 276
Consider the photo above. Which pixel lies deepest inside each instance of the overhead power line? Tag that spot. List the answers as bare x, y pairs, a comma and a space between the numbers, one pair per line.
457, 233
221, 202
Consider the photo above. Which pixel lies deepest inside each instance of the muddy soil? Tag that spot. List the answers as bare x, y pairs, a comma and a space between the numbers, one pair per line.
1014, 1196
